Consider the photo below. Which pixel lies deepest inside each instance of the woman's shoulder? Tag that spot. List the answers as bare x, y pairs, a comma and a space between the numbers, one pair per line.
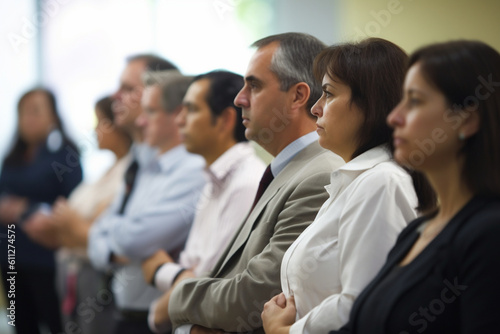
481, 221
387, 175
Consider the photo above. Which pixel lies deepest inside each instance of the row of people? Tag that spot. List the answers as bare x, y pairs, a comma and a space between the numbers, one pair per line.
328, 208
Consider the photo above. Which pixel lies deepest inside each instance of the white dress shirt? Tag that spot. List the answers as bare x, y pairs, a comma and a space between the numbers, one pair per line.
158, 215
232, 181
330, 263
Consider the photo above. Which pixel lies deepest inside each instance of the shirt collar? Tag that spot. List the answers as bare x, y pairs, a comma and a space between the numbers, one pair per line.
168, 159
291, 150
368, 159
343, 176
227, 162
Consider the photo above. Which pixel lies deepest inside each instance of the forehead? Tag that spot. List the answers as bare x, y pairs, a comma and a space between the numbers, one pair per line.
197, 91
132, 73
260, 62
414, 77
35, 98
151, 95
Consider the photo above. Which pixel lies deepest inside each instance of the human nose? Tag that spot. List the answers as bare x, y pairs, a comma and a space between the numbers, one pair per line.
141, 120
396, 117
316, 109
180, 119
241, 100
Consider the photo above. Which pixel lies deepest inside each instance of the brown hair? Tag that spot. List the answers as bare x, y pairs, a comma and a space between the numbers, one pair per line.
374, 69
468, 74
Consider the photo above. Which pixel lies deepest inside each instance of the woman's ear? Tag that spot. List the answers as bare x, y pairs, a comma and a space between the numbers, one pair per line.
470, 124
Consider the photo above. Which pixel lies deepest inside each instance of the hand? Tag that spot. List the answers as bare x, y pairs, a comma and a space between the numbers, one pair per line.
161, 316
40, 228
152, 263
11, 208
197, 329
279, 314
72, 228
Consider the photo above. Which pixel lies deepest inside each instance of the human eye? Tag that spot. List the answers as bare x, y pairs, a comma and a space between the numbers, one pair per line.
327, 94
413, 101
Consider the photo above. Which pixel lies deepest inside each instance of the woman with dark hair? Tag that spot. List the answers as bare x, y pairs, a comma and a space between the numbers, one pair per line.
442, 275
72, 220
42, 165
371, 197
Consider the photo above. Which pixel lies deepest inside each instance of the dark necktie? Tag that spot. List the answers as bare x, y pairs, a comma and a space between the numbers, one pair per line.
267, 178
130, 176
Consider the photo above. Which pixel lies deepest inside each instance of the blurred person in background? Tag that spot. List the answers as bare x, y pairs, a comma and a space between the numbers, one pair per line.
72, 219
42, 165
157, 206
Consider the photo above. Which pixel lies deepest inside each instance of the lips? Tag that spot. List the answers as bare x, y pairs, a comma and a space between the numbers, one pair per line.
398, 141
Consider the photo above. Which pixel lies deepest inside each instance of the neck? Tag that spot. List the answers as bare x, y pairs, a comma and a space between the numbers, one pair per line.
137, 135
213, 155
293, 131
452, 192
120, 151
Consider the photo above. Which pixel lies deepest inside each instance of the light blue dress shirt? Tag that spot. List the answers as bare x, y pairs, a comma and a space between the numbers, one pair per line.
158, 215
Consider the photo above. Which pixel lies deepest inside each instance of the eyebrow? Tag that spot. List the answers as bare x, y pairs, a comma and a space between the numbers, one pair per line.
413, 91
252, 78
326, 85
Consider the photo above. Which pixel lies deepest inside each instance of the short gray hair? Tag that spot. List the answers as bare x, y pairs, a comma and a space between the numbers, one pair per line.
293, 61
173, 85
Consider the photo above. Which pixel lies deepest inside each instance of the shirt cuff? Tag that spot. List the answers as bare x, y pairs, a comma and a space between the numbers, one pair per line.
164, 328
184, 329
164, 277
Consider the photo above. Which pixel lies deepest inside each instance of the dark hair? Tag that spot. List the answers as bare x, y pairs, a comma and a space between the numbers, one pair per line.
17, 153
459, 69
153, 62
105, 107
374, 69
223, 88
293, 61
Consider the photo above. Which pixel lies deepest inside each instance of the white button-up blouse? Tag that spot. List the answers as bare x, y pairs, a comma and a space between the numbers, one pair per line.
371, 200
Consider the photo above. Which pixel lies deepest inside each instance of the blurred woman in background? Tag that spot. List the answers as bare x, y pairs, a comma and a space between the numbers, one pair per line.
73, 218
42, 165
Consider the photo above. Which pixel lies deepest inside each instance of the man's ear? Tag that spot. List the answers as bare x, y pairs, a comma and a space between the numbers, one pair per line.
226, 121
301, 93
470, 123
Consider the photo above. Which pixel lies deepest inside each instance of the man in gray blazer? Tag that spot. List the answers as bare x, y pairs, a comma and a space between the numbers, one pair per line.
276, 99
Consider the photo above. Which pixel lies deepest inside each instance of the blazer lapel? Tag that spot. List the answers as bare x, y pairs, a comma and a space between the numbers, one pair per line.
253, 217
297, 162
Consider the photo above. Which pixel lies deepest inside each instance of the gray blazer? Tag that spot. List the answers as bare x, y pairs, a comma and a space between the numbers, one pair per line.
248, 273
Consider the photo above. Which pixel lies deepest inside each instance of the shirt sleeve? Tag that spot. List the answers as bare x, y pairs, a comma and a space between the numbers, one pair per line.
369, 225
164, 278
158, 215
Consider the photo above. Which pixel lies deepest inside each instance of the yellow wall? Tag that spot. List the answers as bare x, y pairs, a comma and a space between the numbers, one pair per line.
413, 23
